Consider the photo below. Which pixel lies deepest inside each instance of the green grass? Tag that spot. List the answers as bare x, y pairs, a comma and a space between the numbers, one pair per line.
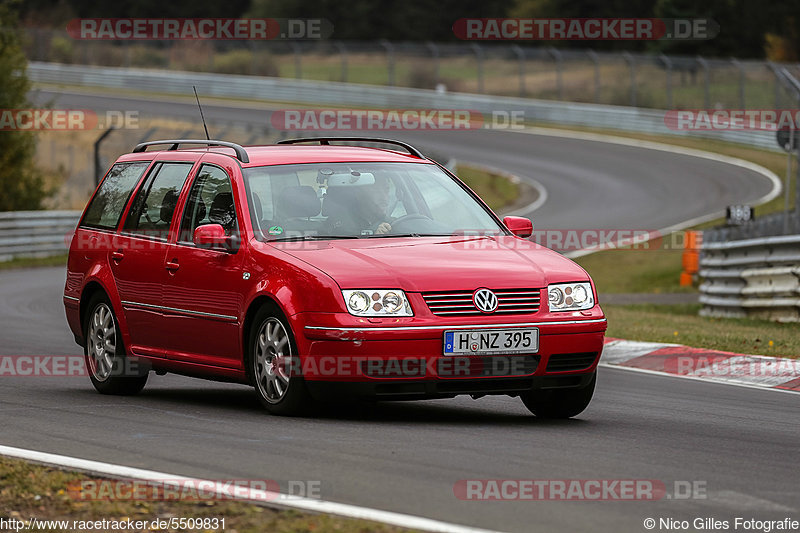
28, 490
32, 262
653, 270
681, 324
495, 189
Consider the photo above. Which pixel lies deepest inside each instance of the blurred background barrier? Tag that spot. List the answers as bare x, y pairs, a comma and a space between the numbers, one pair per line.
359, 96
36, 233
502, 69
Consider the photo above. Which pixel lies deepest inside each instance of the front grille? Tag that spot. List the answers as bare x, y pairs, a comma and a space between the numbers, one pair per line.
459, 303
564, 362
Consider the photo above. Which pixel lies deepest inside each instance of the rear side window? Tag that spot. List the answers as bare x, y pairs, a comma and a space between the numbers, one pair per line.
106, 207
154, 205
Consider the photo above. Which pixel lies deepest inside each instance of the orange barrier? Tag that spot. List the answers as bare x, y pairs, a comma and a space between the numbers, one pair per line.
693, 241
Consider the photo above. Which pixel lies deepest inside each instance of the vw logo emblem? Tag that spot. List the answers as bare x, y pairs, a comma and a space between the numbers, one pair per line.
485, 300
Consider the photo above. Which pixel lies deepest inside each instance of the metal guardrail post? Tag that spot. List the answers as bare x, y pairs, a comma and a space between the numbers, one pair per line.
98, 165
596, 60
632, 65
706, 82
389, 61
558, 58
521, 63
668, 64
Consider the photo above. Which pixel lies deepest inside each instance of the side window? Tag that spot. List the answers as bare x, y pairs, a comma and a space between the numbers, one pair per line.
106, 207
210, 202
152, 209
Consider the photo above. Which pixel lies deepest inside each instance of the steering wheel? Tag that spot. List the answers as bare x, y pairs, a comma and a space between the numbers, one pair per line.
405, 218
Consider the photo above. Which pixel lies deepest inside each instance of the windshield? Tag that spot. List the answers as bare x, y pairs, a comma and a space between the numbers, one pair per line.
360, 200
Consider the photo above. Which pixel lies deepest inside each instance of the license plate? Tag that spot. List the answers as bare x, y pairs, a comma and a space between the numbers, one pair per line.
491, 341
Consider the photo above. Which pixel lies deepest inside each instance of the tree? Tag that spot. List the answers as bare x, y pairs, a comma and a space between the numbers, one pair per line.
21, 183
398, 20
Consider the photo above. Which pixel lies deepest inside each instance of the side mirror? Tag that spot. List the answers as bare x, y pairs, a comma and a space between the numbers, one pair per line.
213, 236
519, 226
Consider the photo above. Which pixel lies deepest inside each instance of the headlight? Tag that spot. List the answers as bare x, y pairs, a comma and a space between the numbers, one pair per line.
377, 302
570, 296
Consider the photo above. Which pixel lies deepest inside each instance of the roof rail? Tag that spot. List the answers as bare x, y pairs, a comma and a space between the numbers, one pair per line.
326, 141
241, 153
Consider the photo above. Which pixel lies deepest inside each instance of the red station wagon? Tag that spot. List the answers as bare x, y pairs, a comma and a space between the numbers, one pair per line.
320, 272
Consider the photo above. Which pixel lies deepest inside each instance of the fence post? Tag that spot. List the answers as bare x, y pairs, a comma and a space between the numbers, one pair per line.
668, 64
98, 170
479, 57
788, 182
435, 56
558, 58
706, 80
521, 63
736, 63
797, 174
632, 65
298, 66
596, 60
389, 61
339, 45
775, 72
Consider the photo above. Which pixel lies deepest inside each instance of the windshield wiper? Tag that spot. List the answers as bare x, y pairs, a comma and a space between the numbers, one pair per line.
314, 238
384, 235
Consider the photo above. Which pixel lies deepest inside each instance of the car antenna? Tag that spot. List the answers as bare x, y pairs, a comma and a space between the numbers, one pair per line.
208, 137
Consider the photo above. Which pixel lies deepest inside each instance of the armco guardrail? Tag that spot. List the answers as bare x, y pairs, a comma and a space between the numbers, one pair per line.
757, 278
36, 233
372, 96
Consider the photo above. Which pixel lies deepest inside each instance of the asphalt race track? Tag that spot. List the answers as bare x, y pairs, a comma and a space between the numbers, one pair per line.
738, 445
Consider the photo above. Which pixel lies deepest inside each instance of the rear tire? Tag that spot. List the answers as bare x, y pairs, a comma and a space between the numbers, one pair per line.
273, 364
110, 370
560, 403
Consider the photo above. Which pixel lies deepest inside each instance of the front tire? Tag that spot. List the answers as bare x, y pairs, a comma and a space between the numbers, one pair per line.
110, 371
273, 364
560, 403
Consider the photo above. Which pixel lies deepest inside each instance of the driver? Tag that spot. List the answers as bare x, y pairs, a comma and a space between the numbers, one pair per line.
376, 206
363, 209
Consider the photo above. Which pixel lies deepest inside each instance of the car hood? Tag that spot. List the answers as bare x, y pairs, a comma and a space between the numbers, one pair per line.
436, 263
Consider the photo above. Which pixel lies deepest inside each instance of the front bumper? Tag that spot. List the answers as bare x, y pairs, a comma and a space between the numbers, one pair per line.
404, 357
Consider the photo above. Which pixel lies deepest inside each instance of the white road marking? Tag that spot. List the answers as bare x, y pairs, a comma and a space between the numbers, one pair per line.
650, 145
304, 504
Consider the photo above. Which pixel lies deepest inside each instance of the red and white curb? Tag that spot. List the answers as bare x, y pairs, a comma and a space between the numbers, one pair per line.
698, 363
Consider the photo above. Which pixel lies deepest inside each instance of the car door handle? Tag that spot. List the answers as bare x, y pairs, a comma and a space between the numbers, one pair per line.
117, 256
172, 266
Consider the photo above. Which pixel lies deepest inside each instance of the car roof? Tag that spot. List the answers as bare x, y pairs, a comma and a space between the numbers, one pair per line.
296, 154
